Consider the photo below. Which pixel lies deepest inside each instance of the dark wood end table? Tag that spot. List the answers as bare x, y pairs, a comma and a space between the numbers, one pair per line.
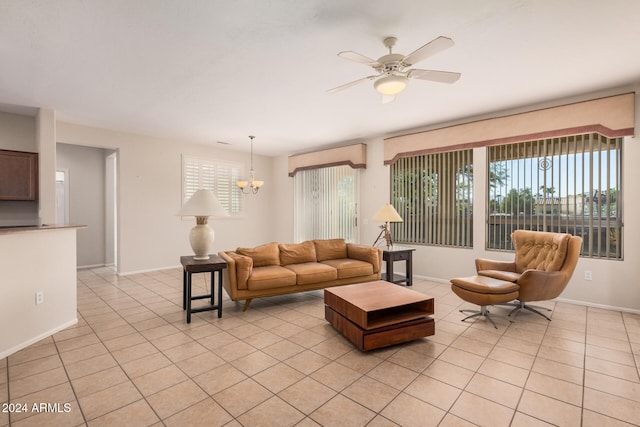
213, 265
398, 253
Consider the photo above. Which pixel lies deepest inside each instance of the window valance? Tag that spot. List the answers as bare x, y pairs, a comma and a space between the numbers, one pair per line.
352, 155
612, 117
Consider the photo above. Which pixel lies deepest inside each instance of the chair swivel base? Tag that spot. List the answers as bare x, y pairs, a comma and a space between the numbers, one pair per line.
522, 306
484, 312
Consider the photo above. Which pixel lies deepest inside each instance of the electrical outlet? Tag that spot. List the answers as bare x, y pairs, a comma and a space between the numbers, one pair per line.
39, 297
587, 275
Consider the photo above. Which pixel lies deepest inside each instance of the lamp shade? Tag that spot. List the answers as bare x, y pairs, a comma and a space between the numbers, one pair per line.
203, 203
387, 213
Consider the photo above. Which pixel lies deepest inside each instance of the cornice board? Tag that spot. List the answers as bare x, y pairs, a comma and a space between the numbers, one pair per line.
612, 116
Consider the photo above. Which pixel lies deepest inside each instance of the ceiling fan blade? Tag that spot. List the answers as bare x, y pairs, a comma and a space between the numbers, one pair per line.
357, 57
348, 85
433, 75
434, 46
388, 98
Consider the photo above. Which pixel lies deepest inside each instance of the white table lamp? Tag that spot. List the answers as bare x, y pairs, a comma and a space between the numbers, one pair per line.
202, 204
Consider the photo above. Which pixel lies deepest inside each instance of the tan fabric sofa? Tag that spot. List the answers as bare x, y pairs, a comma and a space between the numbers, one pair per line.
277, 268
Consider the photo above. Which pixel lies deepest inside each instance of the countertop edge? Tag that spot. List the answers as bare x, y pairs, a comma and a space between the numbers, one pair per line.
14, 230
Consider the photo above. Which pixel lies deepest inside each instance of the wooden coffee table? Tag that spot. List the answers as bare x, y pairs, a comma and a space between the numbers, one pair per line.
378, 314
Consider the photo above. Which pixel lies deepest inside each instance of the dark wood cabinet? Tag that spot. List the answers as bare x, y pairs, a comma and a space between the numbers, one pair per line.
18, 175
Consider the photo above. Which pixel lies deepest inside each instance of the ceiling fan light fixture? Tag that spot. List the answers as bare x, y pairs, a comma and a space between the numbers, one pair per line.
391, 84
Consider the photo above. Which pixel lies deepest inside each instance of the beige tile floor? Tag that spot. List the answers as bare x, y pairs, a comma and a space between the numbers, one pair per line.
133, 361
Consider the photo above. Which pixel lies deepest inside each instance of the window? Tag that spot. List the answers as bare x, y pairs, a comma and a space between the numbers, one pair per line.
326, 203
433, 195
570, 185
216, 175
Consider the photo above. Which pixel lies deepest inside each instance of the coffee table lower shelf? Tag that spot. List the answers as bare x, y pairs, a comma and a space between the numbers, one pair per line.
370, 339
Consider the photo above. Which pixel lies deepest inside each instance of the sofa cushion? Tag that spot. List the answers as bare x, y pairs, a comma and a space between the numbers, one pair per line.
348, 267
312, 272
297, 253
270, 276
267, 254
330, 249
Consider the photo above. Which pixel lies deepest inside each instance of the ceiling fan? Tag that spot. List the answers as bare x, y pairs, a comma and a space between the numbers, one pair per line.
393, 74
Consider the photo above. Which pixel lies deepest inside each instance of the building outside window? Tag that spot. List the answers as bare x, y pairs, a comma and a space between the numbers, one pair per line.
569, 185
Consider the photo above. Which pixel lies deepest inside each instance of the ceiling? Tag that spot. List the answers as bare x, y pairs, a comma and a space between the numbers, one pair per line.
219, 70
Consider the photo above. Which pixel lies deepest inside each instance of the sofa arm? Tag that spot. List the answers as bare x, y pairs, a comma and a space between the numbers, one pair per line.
366, 253
239, 268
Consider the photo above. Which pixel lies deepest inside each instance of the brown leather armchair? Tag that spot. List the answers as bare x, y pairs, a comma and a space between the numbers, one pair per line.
544, 262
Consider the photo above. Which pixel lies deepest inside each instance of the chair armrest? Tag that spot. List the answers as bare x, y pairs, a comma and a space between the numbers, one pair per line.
489, 264
366, 253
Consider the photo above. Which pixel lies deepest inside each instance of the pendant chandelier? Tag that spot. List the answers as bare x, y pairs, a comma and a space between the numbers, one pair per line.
252, 186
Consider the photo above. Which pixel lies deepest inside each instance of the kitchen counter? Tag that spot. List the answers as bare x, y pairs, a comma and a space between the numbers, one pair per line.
37, 283
25, 228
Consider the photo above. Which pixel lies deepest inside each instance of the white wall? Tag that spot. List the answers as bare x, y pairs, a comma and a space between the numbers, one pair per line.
110, 207
17, 132
33, 261
46, 143
282, 201
150, 235
87, 198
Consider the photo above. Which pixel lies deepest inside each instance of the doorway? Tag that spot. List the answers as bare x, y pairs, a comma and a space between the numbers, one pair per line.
111, 209
86, 194
62, 196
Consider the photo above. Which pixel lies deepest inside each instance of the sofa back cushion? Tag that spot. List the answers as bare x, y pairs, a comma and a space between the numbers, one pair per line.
296, 253
539, 250
267, 254
330, 249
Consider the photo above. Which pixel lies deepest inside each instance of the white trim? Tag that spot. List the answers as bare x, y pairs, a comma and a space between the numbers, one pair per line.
85, 267
432, 279
150, 270
34, 340
594, 305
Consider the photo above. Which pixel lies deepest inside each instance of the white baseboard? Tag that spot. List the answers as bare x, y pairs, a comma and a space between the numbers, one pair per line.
431, 279
85, 267
34, 340
594, 305
151, 270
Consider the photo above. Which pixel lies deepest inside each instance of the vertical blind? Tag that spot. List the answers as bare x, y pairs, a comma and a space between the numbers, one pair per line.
433, 195
569, 184
215, 175
326, 203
